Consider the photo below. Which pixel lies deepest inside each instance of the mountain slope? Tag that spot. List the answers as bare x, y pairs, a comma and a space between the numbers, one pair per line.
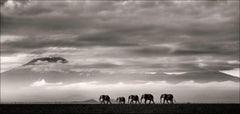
54, 71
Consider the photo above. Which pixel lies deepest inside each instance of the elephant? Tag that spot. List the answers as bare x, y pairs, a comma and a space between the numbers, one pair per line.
104, 99
120, 100
167, 98
133, 98
147, 97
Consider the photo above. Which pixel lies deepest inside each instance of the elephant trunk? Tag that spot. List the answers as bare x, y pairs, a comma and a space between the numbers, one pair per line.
174, 100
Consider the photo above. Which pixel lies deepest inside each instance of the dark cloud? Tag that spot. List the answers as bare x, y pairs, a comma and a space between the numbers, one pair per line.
185, 31
2, 2
99, 65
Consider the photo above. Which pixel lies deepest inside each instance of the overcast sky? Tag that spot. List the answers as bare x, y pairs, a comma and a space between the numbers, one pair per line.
174, 36
128, 40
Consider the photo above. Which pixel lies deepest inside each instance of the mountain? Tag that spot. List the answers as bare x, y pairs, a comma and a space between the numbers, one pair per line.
25, 82
46, 59
25, 76
200, 77
53, 72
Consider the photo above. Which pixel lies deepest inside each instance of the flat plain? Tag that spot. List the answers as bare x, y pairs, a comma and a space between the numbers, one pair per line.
124, 109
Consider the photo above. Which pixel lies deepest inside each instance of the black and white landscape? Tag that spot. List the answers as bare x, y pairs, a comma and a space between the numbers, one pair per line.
74, 51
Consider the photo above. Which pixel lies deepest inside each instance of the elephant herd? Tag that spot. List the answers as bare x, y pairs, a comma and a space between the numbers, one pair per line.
134, 99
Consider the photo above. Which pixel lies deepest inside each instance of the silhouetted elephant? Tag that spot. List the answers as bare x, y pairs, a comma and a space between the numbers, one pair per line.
147, 97
120, 100
133, 98
167, 98
104, 99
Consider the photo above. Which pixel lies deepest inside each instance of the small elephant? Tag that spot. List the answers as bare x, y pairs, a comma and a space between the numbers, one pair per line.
147, 97
120, 100
104, 99
133, 98
168, 98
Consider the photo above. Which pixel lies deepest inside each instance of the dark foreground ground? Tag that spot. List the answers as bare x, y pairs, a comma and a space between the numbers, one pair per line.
115, 108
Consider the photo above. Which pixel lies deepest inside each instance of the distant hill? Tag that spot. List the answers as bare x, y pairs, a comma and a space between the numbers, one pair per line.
90, 101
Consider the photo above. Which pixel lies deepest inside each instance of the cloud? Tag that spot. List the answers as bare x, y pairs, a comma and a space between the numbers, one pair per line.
164, 35
43, 67
13, 61
175, 73
190, 91
10, 38
11, 4
233, 72
117, 37
150, 72
42, 82
233, 62
95, 85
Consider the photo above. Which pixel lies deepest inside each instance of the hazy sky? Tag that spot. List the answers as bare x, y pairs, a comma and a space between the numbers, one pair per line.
168, 35
147, 37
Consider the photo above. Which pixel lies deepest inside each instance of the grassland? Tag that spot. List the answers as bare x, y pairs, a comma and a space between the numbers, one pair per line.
115, 108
